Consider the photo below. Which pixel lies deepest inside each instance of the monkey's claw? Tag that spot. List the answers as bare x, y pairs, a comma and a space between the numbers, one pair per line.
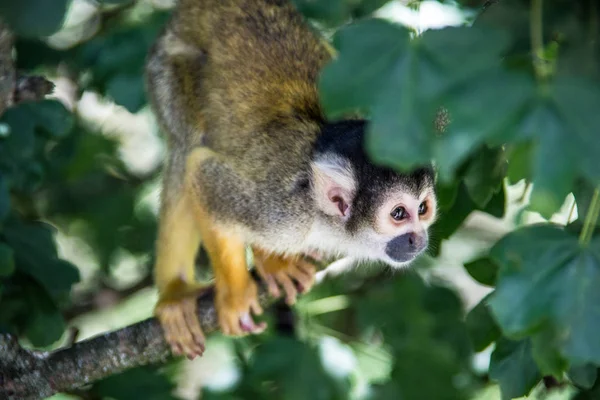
181, 326
294, 275
235, 310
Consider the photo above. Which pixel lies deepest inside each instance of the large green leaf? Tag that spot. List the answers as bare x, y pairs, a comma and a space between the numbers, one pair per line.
115, 60
483, 270
546, 276
513, 367
482, 328
36, 255
30, 126
45, 324
484, 175
584, 376
399, 82
52, 118
34, 17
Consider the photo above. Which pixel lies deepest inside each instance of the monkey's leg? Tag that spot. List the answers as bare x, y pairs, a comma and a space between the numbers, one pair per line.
277, 270
178, 242
236, 292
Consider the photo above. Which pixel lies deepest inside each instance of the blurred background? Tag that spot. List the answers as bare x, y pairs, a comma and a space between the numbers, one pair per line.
97, 190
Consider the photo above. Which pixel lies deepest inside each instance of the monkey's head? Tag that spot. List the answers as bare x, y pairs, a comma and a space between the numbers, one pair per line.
364, 210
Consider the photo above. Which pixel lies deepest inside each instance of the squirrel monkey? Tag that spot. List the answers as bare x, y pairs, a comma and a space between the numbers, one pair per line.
253, 162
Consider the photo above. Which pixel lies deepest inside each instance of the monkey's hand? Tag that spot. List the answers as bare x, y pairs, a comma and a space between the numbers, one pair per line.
176, 312
235, 305
293, 274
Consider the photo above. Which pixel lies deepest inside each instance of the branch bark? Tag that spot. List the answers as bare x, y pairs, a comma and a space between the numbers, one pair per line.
29, 375
7, 68
15, 88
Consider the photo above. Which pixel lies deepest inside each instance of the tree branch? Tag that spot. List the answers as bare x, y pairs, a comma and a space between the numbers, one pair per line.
26, 374
14, 87
7, 68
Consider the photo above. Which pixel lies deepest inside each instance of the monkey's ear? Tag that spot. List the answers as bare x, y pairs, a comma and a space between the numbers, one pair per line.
334, 185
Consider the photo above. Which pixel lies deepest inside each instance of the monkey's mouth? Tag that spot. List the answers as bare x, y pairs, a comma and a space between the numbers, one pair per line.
404, 259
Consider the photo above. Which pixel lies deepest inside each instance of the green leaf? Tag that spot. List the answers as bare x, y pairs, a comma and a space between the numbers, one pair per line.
482, 328
31, 18
497, 204
547, 277
484, 175
45, 324
401, 82
546, 352
560, 119
7, 260
433, 360
519, 162
143, 382
291, 374
331, 12
584, 376
513, 367
115, 60
483, 270
335, 12
22, 151
52, 118
128, 91
19, 144
4, 199
451, 219
36, 255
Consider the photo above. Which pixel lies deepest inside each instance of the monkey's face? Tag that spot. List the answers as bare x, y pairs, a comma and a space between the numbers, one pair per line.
373, 213
401, 224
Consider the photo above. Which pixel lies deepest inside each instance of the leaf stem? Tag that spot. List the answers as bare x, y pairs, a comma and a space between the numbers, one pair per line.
590, 219
571, 211
537, 38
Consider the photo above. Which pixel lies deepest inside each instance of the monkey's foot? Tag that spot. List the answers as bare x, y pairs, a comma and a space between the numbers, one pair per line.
293, 274
235, 308
181, 326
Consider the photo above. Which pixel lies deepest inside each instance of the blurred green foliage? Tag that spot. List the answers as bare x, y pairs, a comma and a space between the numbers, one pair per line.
520, 92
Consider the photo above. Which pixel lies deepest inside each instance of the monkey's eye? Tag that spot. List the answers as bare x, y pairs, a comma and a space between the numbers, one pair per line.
423, 208
399, 213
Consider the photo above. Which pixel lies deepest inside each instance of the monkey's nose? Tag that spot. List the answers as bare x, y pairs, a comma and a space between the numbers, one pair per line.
406, 247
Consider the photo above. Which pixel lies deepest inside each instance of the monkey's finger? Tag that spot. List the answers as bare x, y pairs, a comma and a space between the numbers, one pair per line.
255, 307
183, 334
288, 287
176, 328
272, 286
166, 322
267, 279
307, 267
191, 319
233, 322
